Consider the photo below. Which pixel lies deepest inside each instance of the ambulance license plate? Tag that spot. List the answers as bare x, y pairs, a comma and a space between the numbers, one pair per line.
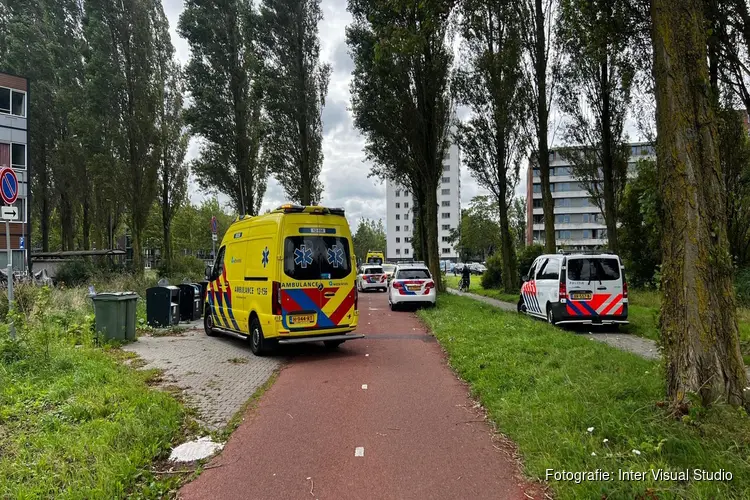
302, 319
581, 296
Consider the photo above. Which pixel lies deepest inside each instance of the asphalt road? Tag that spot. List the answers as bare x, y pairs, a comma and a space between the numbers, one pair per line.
412, 433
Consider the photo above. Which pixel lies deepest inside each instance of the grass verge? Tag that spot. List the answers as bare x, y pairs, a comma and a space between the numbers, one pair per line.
545, 388
78, 424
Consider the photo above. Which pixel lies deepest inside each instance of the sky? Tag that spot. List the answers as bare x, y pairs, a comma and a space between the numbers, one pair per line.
345, 171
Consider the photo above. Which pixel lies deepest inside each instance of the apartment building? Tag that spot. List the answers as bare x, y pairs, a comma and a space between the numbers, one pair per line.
401, 209
579, 223
14, 153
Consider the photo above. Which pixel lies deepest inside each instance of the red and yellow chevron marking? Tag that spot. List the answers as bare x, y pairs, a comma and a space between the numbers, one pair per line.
338, 307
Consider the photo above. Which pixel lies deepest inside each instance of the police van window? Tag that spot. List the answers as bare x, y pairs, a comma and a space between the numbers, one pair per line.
550, 271
316, 257
593, 269
219, 264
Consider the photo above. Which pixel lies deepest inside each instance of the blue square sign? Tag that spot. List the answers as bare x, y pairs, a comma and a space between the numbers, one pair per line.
22, 243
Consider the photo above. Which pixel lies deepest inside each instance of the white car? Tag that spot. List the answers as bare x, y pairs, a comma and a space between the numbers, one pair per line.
576, 288
371, 277
411, 284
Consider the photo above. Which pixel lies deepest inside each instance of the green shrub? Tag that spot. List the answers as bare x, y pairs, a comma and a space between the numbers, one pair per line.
742, 285
493, 276
74, 273
526, 258
185, 266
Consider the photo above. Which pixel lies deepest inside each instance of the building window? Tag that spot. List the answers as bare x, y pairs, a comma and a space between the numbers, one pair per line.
445, 192
406, 216
566, 219
447, 155
538, 188
537, 203
12, 102
18, 155
446, 168
406, 194
446, 227
446, 215
406, 251
586, 217
551, 156
446, 250
398, 205
398, 216
407, 240
564, 235
398, 193
398, 240
445, 203
586, 234
398, 251
446, 180
398, 228
406, 205
406, 228
446, 239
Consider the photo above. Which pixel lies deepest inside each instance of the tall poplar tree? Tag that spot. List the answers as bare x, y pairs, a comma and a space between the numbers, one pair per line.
223, 79
296, 87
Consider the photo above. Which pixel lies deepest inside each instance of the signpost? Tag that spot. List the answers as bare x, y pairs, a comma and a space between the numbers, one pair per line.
214, 236
9, 193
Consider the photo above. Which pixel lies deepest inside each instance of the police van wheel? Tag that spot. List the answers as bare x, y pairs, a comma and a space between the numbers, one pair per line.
521, 306
258, 344
208, 324
550, 316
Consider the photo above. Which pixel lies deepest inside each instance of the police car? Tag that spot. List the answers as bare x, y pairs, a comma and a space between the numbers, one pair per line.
372, 277
576, 288
411, 284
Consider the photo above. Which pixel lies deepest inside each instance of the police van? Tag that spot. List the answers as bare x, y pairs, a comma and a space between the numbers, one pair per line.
576, 288
285, 277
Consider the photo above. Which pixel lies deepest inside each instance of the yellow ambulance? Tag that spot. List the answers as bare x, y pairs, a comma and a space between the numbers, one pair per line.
374, 257
285, 277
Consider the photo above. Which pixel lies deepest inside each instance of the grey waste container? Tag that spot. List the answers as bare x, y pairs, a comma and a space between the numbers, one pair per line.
115, 314
162, 306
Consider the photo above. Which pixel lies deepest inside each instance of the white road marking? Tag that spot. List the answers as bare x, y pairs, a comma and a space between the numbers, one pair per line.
359, 451
364, 386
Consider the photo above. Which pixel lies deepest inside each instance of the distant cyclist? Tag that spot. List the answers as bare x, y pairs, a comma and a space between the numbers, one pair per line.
465, 278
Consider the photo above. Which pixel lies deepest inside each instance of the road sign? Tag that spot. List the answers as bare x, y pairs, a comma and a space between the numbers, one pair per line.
214, 226
214, 237
22, 243
9, 213
8, 185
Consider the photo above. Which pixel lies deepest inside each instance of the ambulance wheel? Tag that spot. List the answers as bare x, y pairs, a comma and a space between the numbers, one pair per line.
258, 343
332, 344
208, 324
550, 316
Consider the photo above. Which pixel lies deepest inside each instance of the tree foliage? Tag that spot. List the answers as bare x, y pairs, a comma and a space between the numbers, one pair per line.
370, 235
478, 233
296, 87
541, 76
489, 81
223, 77
734, 147
640, 233
598, 75
401, 100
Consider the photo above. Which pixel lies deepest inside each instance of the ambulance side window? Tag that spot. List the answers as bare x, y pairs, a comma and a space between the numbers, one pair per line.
219, 264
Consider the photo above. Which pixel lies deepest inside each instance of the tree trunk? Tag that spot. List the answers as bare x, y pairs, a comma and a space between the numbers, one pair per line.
608, 152
698, 313
510, 274
135, 243
540, 72
86, 222
429, 216
166, 217
46, 208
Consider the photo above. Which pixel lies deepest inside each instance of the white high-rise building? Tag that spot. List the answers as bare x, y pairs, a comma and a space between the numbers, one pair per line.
400, 213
